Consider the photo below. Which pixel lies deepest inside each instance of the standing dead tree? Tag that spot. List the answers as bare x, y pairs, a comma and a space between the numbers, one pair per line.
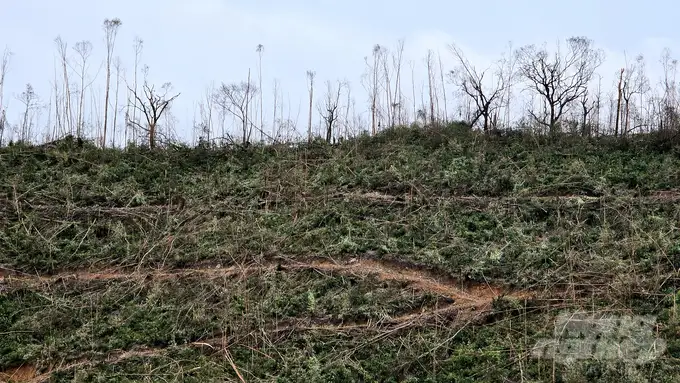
260, 49
634, 83
235, 99
110, 31
561, 79
430, 84
84, 50
618, 103
68, 109
4, 68
131, 110
329, 108
30, 100
397, 99
310, 76
152, 105
471, 82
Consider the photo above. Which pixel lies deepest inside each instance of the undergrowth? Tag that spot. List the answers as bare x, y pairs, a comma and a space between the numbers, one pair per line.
593, 222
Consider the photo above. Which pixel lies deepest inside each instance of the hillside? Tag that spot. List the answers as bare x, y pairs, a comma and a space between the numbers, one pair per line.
435, 255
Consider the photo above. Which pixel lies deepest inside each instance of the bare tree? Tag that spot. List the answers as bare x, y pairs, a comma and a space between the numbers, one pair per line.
30, 100
510, 72
387, 87
260, 49
377, 52
4, 68
397, 100
235, 99
131, 110
586, 108
152, 105
413, 89
329, 108
275, 133
84, 50
618, 103
111, 31
667, 103
486, 95
559, 80
441, 72
430, 81
635, 83
310, 76
68, 110
116, 64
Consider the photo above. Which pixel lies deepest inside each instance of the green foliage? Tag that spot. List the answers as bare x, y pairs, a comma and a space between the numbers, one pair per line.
594, 217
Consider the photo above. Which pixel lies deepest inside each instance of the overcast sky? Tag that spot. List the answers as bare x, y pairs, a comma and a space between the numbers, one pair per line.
194, 43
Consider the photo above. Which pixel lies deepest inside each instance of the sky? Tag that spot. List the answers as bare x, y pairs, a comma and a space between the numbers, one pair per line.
194, 44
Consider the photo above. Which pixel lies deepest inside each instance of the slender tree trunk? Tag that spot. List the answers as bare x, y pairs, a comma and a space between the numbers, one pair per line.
58, 126
413, 87
111, 29
68, 122
429, 80
618, 106
274, 133
261, 100
310, 74
374, 100
388, 92
115, 107
397, 87
106, 99
441, 72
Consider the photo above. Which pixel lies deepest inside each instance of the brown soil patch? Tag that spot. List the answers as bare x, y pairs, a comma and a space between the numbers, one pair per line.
25, 373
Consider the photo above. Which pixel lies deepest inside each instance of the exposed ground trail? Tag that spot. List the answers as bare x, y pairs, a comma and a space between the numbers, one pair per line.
457, 314
467, 302
420, 279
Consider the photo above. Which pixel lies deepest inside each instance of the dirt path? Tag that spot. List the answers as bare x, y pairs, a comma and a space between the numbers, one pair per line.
467, 301
419, 278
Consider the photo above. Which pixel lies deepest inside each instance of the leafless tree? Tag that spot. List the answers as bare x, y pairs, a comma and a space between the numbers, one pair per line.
110, 32
204, 128
397, 99
560, 79
329, 108
260, 49
152, 105
387, 87
275, 133
485, 94
413, 89
235, 99
117, 65
84, 51
68, 110
618, 103
4, 68
510, 73
30, 101
131, 110
634, 83
441, 73
587, 107
373, 84
310, 76
430, 81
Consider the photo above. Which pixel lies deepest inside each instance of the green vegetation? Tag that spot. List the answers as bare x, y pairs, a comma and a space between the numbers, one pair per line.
200, 264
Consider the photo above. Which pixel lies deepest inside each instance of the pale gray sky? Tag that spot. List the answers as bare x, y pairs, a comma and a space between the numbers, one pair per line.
194, 43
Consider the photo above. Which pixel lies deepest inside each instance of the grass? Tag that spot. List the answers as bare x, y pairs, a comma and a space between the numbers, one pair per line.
333, 263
